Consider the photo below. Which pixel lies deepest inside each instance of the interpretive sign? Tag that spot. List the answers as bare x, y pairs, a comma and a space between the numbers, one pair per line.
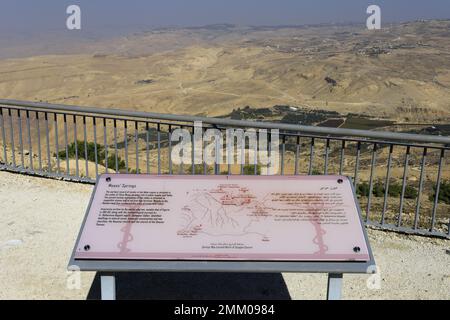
244, 218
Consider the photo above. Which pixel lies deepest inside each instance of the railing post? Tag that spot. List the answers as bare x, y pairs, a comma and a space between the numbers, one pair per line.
55, 121
105, 143
75, 141
125, 140
47, 137
419, 194
402, 196
437, 190
94, 123
5, 155
66, 143
372, 168
19, 118
147, 142
386, 183
38, 133
30, 145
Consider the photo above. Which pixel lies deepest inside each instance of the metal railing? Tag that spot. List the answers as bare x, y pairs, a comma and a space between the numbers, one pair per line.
399, 177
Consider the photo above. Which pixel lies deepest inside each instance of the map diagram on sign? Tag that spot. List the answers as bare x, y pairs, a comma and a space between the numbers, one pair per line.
229, 210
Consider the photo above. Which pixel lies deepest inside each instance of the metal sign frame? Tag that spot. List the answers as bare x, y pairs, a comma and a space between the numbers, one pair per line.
331, 267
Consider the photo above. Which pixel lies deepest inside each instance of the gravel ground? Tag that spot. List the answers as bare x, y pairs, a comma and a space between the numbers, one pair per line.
40, 219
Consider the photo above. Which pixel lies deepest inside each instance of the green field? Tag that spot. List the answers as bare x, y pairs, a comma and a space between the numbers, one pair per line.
365, 124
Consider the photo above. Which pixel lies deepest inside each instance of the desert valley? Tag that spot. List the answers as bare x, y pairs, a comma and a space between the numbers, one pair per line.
399, 73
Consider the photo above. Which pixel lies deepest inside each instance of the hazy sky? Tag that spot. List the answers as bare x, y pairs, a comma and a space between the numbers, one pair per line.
44, 15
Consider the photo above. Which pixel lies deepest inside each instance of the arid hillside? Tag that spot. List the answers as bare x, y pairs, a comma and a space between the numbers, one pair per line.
401, 72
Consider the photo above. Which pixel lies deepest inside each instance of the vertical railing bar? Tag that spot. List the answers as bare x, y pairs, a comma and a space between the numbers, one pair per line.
256, 157
30, 145
180, 169
283, 150
147, 146
438, 187
369, 200
125, 129
116, 151
358, 154
419, 195
402, 196
48, 143
169, 135
159, 147
75, 140
66, 143
269, 155
86, 156
136, 141
386, 183
297, 155
205, 165
55, 120
193, 150
5, 155
38, 129
19, 117
218, 151
341, 164
105, 144
147, 150
217, 154
242, 155
327, 150
311, 157
230, 147
94, 124
11, 131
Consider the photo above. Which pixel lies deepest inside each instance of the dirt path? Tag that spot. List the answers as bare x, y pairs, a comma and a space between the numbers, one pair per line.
40, 218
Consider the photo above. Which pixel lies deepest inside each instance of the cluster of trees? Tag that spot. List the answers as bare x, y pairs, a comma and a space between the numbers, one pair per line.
395, 190
90, 151
444, 192
378, 190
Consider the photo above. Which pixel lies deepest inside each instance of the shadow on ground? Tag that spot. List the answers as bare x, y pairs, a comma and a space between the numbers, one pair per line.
227, 286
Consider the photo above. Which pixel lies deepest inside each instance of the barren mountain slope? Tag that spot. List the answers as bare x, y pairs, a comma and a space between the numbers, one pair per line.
401, 72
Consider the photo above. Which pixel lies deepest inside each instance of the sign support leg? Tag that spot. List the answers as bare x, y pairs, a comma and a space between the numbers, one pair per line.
108, 287
334, 290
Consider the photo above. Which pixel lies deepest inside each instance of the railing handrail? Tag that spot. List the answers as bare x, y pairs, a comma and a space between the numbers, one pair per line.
393, 136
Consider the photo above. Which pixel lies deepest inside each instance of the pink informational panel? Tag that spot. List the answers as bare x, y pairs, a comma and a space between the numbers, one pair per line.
254, 218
